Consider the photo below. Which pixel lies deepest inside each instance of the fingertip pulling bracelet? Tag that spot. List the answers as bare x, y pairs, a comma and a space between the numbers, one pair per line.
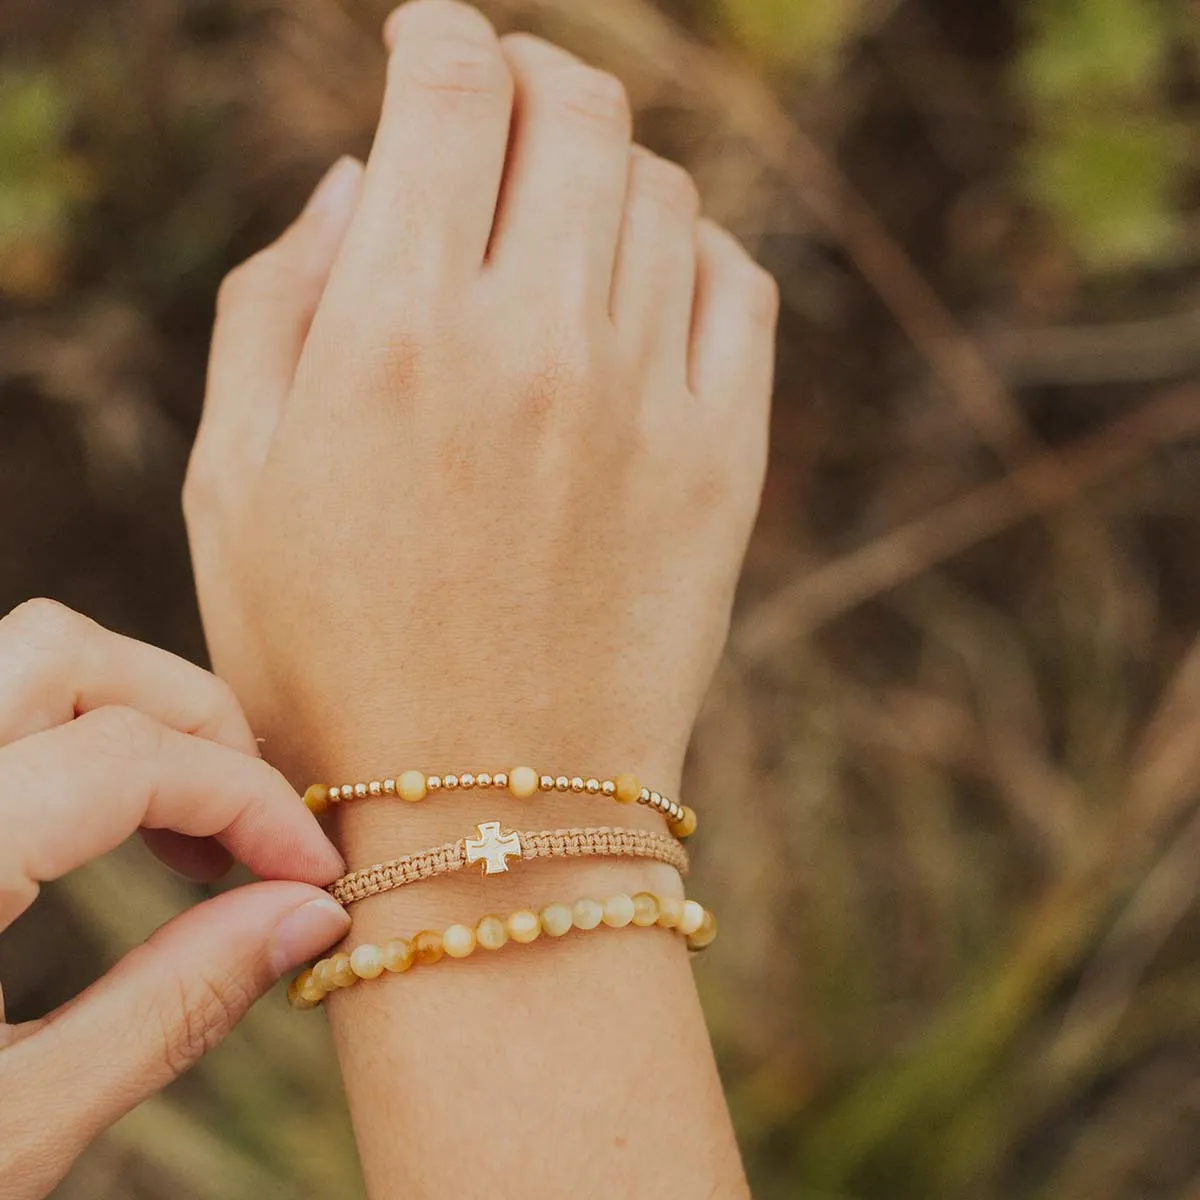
522, 782
368, 961
492, 847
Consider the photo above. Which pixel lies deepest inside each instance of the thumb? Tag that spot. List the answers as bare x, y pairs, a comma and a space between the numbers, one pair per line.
147, 1021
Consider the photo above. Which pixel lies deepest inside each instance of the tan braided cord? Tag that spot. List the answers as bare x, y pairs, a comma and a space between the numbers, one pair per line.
552, 843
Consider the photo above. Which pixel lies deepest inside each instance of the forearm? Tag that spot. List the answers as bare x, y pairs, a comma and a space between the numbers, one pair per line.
575, 1066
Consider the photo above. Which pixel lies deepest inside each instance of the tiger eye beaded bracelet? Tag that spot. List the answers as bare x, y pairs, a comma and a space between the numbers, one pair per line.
522, 782
645, 910
493, 847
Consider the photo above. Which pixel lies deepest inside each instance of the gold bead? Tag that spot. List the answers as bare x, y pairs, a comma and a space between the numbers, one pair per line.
593, 786
627, 789
366, 961
618, 911
411, 786
686, 825
670, 910
375, 788
522, 782
317, 799
705, 935
491, 932
434, 783
608, 787
546, 783
335, 794
398, 955
459, 941
691, 918
467, 781
524, 926
562, 784
483, 780
389, 787
500, 779
340, 971
296, 991
656, 800
449, 782
557, 919
576, 784
587, 914
427, 947
360, 791
645, 909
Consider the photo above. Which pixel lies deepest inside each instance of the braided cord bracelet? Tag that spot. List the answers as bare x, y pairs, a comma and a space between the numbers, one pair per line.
522, 782
645, 910
493, 847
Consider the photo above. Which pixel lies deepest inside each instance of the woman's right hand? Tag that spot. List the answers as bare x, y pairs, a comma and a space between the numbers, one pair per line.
101, 735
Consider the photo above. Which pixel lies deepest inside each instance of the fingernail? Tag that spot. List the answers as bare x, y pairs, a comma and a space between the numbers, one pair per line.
338, 190
305, 933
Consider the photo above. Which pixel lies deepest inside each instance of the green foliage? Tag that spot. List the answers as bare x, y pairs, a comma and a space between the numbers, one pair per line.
806, 36
1106, 156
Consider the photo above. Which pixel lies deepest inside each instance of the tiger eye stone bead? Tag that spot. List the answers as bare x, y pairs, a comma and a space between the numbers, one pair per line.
686, 825
317, 799
427, 947
628, 789
398, 955
459, 941
557, 919
491, 932
299, 989
645, 910
341, 972
705, 935
411, 786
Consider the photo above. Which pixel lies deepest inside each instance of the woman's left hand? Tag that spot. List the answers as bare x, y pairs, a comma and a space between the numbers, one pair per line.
101, 735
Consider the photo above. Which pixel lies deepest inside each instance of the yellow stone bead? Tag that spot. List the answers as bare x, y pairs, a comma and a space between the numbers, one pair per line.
411, 786
459, 941
317, 799
705, 935
296, 988
366, 961
670, 911
557, 919
628, 789
686, 825
645, 909
491, 932
311, 991
524, 926
427, 947
587, 914
522, 782
691, 918
618, 911
398, 955
341, 971
323, 974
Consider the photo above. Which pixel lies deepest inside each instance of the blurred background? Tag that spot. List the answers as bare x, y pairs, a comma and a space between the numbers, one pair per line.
950, 769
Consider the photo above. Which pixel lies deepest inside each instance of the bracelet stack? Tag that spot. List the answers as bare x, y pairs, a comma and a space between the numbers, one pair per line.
492, 847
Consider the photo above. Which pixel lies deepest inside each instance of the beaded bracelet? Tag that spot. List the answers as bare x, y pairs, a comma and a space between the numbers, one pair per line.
522, 782
493, 847
645, 910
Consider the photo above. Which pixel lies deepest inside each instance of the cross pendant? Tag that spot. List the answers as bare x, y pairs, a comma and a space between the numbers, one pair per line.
492, 848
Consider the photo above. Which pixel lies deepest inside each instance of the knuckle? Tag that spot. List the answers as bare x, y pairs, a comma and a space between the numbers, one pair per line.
596, 96
45, 624
452, 66
119, 732
198, 1017
668, 184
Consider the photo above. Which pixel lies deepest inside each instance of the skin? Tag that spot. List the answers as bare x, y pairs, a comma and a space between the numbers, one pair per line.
107, 736
482, 448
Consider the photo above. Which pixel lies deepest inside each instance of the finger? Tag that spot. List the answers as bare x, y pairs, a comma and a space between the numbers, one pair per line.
199, 859
75, 792
655, 283
264, 310
435, 167
733, 333
56, 665
152, 1017
561, 204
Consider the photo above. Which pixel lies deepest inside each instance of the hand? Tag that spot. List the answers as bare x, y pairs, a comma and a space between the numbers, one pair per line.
99, 736
485, 433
